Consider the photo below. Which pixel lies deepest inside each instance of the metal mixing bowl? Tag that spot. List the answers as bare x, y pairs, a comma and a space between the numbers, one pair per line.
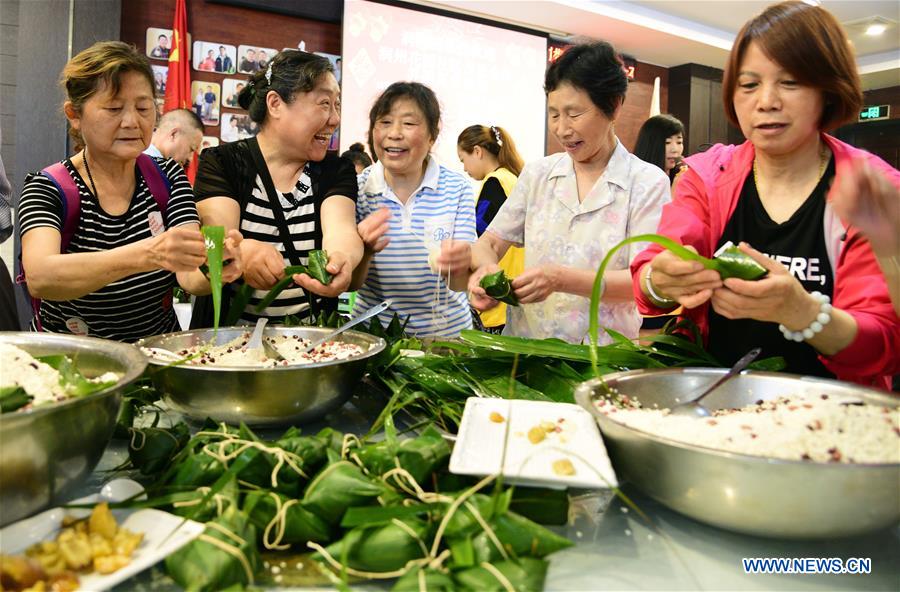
49, 450
749, 494
259, 396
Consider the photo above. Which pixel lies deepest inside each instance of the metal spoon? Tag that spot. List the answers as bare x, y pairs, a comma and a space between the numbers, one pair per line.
377, 309
694, 408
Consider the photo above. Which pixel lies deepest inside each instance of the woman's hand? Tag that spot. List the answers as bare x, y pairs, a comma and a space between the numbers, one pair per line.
687, 282
178, 249
232, 255
455, 257
262, 263
339, 267
536, 284
866, 199
372, 230
478, 298
777, 298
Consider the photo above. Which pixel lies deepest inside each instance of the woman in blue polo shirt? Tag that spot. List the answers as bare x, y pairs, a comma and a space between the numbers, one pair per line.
417, 242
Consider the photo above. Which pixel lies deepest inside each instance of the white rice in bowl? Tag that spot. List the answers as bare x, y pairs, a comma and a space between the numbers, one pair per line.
40, 380
236, 353
816, 428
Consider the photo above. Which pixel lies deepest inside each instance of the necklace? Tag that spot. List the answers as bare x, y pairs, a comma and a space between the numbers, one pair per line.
823, 164
91, 178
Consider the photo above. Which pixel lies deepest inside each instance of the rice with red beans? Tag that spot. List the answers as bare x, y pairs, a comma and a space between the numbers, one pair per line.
235, 352
817, 428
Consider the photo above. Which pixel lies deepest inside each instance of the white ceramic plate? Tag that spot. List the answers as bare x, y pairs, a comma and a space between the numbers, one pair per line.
480, 446
156, 525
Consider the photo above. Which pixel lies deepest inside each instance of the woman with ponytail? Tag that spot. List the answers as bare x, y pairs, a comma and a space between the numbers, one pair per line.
489, 155
282, 189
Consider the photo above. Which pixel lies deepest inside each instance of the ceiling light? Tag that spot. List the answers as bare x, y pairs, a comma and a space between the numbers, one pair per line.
875, 29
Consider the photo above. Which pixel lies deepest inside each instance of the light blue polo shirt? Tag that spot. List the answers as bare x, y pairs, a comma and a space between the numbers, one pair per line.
442, 207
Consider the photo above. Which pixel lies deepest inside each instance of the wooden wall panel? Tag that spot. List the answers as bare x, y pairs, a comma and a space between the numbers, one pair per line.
227, 24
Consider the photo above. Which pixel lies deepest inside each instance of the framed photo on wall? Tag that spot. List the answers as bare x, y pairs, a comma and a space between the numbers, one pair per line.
231, 88
253, 58
159, 43
208, 142
335, 61
210, 56
237, 127
160, 75
206, 101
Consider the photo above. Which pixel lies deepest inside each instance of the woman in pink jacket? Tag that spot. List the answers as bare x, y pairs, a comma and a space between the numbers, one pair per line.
824, 303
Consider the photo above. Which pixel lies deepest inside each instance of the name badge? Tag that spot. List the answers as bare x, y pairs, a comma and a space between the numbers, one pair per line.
77, 326
156, 223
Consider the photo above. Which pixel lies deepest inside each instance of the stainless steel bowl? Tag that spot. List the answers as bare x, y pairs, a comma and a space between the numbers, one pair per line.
49, 450
259, 396
749, 494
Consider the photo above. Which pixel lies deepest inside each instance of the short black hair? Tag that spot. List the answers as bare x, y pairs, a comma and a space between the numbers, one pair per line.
161, 36
357, 154
651, 141
418, 93
293, 71
595, 68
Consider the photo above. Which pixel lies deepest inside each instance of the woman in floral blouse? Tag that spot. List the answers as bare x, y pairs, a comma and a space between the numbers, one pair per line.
568, 209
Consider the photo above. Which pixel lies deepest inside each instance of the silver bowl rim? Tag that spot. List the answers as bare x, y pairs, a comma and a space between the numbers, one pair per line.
378, 345
135, 362
593, 382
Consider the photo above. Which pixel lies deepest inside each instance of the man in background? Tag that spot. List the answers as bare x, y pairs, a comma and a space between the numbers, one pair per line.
161, 51
223, 62
177, 136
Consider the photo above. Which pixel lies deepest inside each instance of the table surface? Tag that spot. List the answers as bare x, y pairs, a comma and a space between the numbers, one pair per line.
617, 550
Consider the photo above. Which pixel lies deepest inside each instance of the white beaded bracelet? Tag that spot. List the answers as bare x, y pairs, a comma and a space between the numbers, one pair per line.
822, 319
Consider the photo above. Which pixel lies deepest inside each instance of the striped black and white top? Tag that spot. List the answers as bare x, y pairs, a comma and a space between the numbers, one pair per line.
133, 307
229, 171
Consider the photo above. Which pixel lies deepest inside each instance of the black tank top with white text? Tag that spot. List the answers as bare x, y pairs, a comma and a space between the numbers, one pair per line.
799, 245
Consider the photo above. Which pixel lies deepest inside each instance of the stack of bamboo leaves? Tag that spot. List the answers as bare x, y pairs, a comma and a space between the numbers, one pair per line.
383, 510
435, 386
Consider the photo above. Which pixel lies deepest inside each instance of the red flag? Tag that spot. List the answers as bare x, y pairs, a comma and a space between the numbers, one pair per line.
178, 82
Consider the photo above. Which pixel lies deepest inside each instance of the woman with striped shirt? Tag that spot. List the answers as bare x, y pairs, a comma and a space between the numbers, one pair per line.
115, 275
282, 190
416, 218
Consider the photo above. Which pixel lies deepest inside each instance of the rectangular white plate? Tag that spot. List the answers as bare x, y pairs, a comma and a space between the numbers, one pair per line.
156, 546
480, 444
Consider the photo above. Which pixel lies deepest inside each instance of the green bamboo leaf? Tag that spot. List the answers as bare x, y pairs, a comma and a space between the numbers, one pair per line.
316, 266
71, 379
381, 548
498, 287
201, 566
280, 286
238, 303
214, 238
425, 580
369, 515
12, 398
525, 575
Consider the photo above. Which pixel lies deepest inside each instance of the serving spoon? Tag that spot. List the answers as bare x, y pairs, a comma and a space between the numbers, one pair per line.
377, 309
694, 408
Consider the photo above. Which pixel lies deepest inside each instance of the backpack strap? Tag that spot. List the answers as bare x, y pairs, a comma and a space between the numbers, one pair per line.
156, 180
70, 198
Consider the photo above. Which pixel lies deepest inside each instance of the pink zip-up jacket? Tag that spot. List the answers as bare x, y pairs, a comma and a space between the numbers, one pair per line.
705, 197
